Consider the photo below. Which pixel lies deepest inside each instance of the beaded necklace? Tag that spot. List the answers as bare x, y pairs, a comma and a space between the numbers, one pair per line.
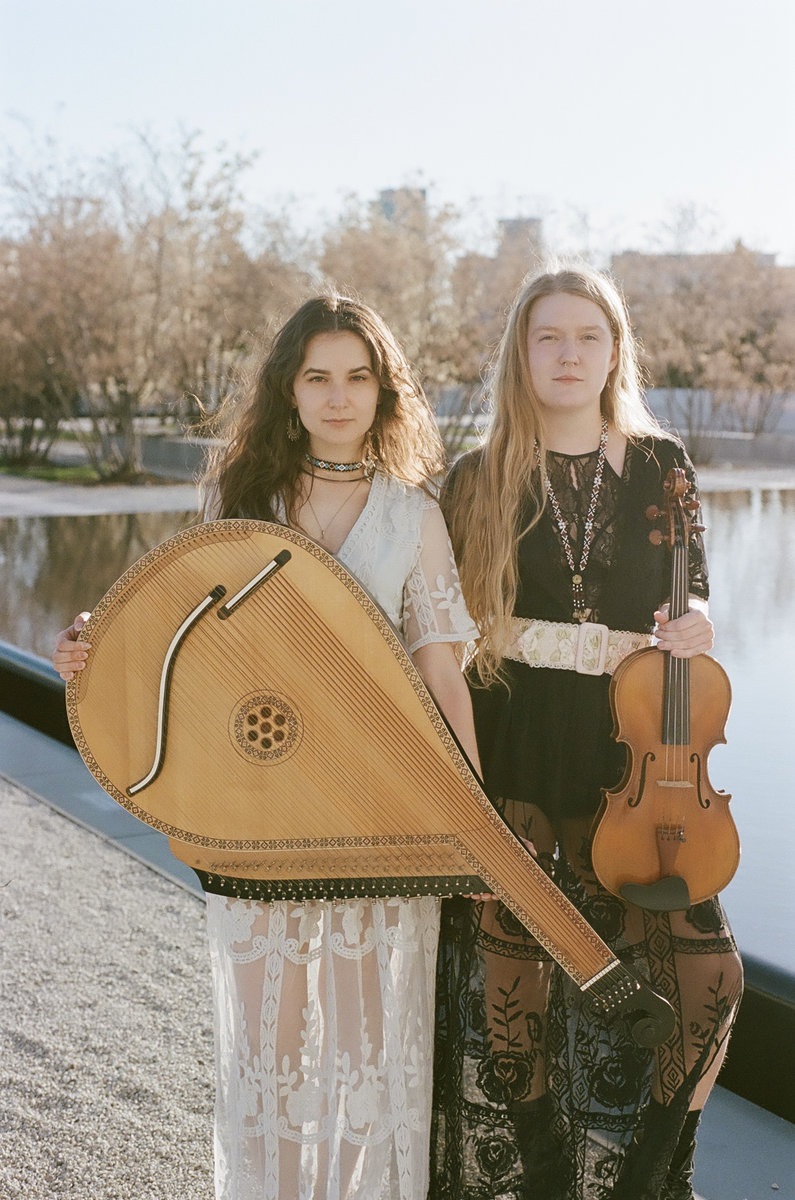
321, 464
580, 612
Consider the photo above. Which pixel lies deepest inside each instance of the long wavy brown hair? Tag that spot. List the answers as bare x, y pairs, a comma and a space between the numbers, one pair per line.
492, 485
257, 465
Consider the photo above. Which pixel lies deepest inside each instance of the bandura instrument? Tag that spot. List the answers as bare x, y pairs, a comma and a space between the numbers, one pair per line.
247, 697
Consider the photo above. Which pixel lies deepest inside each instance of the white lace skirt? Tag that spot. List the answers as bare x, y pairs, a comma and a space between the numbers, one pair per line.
324, 1016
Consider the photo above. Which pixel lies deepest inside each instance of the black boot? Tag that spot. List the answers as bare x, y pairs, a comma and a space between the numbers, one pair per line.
679, 1181
644, 1170
545, 1169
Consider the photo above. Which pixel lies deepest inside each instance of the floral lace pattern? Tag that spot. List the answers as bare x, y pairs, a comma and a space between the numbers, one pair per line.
511, 1025
589, 648
324, 1028
325, 1010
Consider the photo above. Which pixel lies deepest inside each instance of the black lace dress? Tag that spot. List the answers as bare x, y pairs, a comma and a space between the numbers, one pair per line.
533, 1098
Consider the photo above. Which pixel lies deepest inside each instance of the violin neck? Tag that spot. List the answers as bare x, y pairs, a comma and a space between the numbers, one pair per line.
676, 700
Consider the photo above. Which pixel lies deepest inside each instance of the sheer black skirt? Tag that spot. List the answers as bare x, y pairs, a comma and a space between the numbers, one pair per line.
512, 1028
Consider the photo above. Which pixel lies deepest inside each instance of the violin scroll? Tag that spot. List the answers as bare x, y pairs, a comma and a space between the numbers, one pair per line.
680, 506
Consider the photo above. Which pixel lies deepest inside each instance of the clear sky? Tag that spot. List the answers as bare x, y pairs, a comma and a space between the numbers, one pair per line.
599, 116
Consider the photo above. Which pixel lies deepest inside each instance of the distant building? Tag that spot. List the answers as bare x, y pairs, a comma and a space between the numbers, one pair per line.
402, 202
522, 236
486, 284
634, 269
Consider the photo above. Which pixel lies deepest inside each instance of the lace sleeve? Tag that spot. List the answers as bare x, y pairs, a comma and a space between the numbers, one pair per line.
433, 604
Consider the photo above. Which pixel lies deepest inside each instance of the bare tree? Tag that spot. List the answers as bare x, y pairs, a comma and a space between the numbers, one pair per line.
483, 288
138, 287
396, 253
32, 393
59, 295
718, 331
754, 367
447, 307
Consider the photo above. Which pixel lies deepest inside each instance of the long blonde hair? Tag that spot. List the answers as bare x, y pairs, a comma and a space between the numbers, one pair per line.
258, 465
485, 503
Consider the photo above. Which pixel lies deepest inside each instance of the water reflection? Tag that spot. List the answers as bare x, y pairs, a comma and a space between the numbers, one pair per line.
751, 553
54, 566
751, 548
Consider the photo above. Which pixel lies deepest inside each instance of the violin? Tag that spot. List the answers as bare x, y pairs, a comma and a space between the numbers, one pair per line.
664, 839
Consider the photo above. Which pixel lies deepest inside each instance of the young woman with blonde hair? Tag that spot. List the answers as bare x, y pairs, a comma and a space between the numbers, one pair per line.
547, 519
324, 1010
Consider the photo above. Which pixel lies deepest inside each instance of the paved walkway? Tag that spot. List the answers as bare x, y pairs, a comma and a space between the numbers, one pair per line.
731, 479
21, 497
106, 1051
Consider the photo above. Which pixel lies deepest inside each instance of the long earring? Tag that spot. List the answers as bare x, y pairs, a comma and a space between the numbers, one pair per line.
293, 425
370, 453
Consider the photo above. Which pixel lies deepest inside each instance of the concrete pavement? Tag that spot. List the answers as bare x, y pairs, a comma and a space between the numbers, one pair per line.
20, 497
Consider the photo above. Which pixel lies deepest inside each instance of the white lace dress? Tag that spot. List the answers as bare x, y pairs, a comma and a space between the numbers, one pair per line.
324, 1011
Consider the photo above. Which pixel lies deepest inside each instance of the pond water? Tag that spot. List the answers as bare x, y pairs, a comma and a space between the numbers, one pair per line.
751, 548
54, 566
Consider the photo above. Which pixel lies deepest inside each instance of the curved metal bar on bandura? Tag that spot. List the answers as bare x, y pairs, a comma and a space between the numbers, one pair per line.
165, 680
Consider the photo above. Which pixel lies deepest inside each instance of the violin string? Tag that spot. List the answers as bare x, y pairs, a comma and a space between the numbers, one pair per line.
685, 670
677, 767
682, 675
676, 599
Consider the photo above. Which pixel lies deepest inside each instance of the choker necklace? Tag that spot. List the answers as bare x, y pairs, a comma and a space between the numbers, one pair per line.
580, 613
322, 465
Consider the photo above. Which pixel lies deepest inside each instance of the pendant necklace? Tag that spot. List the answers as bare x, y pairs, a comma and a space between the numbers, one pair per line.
580, 612
336, 512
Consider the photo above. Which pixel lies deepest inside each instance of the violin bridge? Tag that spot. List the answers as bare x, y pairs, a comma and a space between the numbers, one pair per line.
671, 832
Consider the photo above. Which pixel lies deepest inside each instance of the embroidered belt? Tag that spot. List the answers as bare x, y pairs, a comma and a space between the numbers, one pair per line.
587, 648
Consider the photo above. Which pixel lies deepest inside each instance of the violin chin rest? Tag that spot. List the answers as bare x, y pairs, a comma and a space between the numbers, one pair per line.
669, 894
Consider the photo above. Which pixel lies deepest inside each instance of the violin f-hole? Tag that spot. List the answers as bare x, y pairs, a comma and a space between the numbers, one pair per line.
634, 801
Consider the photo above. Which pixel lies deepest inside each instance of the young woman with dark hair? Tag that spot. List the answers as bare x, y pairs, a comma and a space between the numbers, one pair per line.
324, 1010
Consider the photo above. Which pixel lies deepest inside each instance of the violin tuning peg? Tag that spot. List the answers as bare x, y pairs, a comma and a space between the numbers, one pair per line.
656, 537
692, 504
653, 512
697, 528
